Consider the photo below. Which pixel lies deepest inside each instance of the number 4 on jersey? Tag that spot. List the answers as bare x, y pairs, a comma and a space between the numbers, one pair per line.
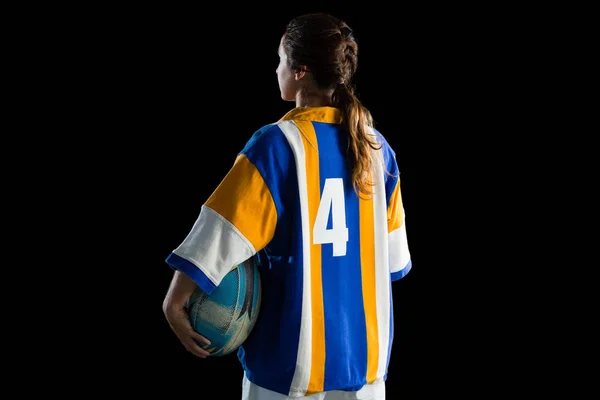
332, 201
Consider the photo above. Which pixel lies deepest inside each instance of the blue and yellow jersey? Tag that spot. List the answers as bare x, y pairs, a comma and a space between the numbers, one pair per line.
327, 256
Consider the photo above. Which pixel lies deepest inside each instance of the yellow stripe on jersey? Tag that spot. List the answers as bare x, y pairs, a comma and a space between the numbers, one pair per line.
315, 114
313, 183
241, 198
367, 262
395, 209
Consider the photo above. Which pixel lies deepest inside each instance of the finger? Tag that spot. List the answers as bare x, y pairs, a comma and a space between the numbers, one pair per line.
194, 348
190, 331
199, 337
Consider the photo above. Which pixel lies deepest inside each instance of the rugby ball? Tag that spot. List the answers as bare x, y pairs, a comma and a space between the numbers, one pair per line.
226, 316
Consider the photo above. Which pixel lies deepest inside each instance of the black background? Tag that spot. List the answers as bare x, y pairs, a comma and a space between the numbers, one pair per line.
123, 109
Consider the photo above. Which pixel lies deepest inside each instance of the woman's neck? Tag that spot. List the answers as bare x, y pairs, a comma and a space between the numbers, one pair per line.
320, 98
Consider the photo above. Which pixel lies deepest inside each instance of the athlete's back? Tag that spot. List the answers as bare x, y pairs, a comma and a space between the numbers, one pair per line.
328, 255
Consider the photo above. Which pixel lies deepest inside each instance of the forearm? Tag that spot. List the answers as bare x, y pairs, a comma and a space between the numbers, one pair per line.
180, 290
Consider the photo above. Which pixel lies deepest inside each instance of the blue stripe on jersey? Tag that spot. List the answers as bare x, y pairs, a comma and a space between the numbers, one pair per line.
271, 154
341, 276
272, 361
180, 263
276, 335
391, 342
402, 273
391, 181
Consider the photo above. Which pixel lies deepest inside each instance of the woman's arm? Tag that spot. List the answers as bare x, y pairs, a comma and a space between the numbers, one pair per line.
179, 292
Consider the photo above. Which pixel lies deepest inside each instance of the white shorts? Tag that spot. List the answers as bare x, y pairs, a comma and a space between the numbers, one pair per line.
374, 391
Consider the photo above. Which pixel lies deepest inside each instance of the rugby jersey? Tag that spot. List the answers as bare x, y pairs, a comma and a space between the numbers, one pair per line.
327, 256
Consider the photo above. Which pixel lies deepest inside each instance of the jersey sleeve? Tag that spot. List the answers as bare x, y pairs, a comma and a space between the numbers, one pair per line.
237, 220
399, 254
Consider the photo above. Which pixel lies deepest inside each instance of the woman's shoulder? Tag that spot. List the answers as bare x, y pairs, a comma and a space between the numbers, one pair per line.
265, 133
268, 136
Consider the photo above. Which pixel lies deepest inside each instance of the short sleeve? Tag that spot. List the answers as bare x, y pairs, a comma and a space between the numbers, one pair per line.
399, 254
238, 219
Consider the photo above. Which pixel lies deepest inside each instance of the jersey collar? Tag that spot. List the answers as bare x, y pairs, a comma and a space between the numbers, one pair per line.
329, 115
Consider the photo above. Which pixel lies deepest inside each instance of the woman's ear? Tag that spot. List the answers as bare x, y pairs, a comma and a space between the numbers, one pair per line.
300, 72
